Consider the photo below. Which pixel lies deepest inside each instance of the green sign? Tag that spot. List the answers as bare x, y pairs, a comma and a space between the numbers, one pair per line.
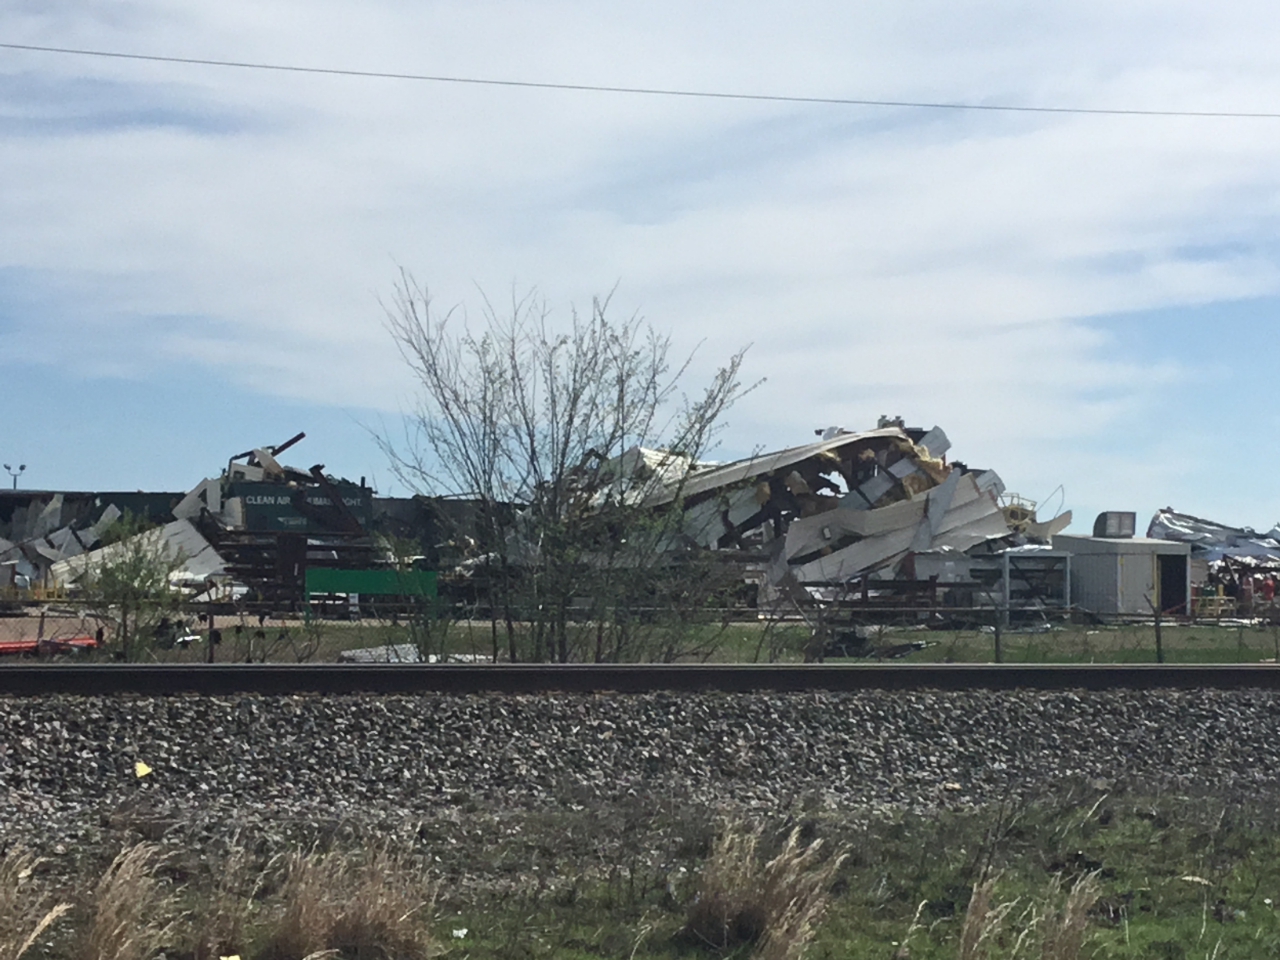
388, 583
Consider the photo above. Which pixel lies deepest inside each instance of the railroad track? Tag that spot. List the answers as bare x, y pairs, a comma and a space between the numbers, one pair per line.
285, 679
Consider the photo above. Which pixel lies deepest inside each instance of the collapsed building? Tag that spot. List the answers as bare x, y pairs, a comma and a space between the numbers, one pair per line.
253, 531
875, 519
870, 517
880, 524
39, 529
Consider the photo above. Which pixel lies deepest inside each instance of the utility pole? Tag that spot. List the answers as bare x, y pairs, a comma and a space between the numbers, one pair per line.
15, 473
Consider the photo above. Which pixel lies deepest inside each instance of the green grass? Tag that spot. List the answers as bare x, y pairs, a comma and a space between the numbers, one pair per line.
322, 640
1178, 877
910, 879
1204, 643
754, 642
290, 638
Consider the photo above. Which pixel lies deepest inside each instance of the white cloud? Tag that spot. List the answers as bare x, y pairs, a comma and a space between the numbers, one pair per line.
930, 263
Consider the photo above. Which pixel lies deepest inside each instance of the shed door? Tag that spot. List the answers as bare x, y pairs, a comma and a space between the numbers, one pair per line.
1173, 584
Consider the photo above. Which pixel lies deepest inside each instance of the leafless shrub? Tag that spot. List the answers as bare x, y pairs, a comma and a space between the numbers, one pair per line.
520, 408
130, 909
775, 905
25, 913
370, 910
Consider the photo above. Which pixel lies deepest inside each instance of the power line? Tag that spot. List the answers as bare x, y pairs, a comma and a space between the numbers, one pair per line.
647, 91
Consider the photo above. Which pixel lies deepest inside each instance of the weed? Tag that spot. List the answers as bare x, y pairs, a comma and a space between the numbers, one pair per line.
775, 905
221, 927
24, 913
368, 910
130, 916
983, 922
1064, 931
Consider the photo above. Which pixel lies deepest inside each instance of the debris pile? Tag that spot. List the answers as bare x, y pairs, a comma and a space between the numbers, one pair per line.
876, 517
830, 517
253, 530
269, 522
40, 530
177, 544
1241, 567
1212, 541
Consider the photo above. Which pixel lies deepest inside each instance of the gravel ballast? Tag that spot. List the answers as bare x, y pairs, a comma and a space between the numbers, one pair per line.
416, 752
67, 764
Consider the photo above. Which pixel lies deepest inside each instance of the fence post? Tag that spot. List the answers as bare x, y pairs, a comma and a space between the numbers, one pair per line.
214, 635
999, 628
1159, 638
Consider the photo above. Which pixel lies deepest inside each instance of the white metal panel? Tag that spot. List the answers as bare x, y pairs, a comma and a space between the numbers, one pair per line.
1137, 575
1095, 582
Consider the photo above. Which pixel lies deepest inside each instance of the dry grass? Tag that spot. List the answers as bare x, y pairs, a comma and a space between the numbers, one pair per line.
1064, 931
221, 926
307, 896
982, 922
131, 912
370, 910
25, 914
775, 905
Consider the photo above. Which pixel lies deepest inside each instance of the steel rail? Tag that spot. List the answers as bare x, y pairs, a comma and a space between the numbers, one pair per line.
289, 679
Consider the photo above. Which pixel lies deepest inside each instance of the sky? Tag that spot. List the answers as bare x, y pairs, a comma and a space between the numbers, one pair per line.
194, 259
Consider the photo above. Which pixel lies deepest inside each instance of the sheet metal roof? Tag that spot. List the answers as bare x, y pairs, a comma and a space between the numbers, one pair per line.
730, 474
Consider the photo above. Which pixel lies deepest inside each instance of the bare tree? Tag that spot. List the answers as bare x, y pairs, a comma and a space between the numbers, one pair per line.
561, 434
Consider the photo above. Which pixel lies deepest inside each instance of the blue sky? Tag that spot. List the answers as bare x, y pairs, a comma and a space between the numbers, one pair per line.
192, 259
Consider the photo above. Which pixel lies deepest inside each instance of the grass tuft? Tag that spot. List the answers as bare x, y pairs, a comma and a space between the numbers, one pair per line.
369, 910
130, 910
301, 929
1065, 930
984, 921
979, 923
1062, 931
222, 927
24, 914
775, 905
